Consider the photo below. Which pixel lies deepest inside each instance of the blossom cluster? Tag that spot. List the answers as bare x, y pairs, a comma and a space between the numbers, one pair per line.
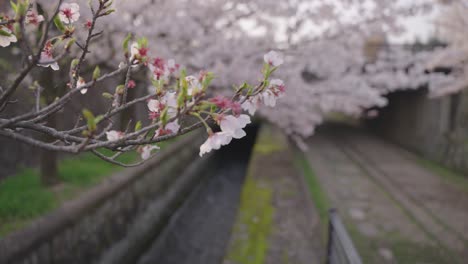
226, 112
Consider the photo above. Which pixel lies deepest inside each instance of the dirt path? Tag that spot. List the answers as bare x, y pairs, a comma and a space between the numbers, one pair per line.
276, 222
396, 210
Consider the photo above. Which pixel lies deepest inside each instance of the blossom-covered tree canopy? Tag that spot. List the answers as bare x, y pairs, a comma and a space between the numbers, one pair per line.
324, 38
322, 44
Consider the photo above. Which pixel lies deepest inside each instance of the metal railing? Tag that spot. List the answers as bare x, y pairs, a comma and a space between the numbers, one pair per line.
340, 247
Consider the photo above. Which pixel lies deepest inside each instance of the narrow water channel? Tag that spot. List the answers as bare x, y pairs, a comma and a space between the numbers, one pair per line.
198, 233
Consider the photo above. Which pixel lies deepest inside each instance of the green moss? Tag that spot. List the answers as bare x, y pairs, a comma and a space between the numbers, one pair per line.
253, 225
319, 197
268, 143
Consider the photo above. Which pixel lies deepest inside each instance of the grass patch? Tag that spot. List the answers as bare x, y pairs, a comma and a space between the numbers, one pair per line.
318, 195
253, 225
448, 175
404, 251
23, 198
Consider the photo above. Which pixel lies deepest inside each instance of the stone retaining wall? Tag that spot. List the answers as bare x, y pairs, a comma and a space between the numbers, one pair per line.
83, 230
434, 128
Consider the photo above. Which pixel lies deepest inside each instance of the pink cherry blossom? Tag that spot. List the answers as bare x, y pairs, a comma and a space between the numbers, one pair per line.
221, 101
273, 58
33, 18
69, 13
47, 59
160, 70
131, 84
278, 87
170, 128
236, 108
114, 135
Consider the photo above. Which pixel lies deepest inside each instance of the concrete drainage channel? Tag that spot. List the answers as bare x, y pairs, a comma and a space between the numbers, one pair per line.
199, 230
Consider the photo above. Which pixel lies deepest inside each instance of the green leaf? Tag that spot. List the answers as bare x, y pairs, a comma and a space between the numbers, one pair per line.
4, 33
14, 6
138, 126
107, 95
143, 42
120, 89
108, 4
109, 12
98, 119
58, 23
126, 41
21, 8
70, 43
164, 116
90, 120
96, 73
207, 80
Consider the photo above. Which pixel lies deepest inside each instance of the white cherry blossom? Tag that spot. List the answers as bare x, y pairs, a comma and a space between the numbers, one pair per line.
215, 141
194, 86
146, 151
47, 60
252, 104
7, 38
234, 125
81, 82
273, 58
114, 135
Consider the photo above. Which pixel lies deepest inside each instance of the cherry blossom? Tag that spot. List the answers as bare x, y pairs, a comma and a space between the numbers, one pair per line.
47, 59
146, 151
139, 52
273, 58
114, 135
33, 18
81, 82
131, 84
252, 104
215, 141
221, 101
233, 126
170, 128
162, 70
169, 100
172, 66
69, 13
6, 36
194, 85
